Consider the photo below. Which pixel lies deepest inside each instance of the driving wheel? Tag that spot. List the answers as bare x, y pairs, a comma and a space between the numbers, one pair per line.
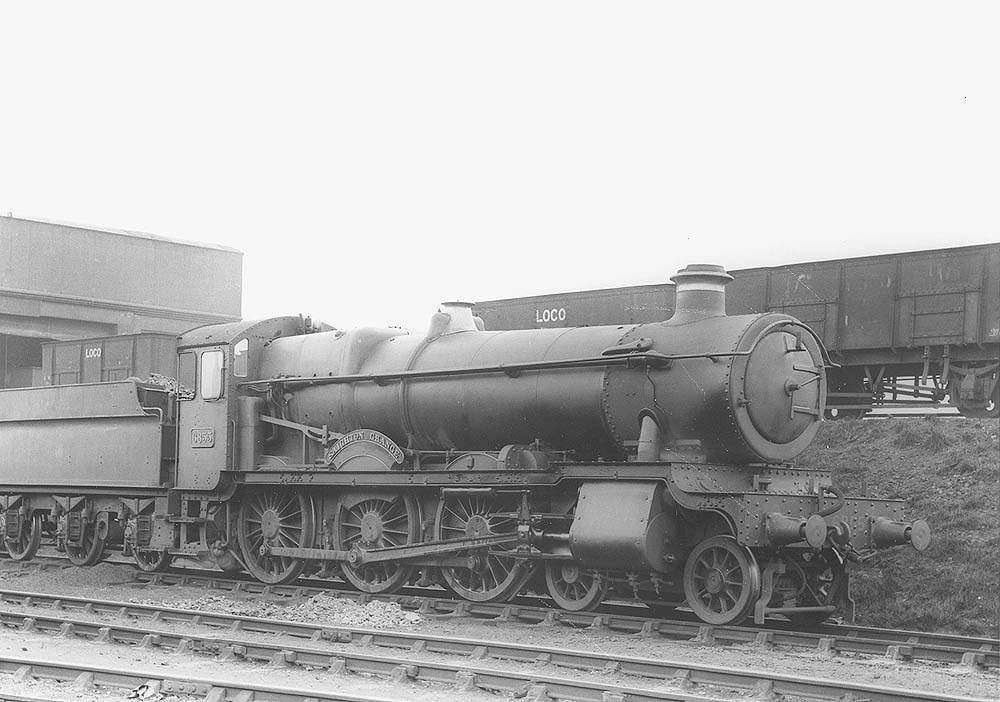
269, 518
376, 522
498, 574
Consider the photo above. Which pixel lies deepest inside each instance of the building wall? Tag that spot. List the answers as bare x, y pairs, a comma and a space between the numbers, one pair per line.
63, 281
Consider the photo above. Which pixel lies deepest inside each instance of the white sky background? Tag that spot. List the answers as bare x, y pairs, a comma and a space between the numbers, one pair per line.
373, 159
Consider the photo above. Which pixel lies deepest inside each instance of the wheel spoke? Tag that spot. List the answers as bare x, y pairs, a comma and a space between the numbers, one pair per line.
289, 515
721, 580
390, 522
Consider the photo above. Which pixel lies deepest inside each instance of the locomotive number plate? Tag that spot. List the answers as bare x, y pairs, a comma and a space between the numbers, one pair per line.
202, 438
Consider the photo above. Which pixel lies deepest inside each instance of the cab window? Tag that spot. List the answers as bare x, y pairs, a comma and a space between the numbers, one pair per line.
211, 374
186, 376
241, 358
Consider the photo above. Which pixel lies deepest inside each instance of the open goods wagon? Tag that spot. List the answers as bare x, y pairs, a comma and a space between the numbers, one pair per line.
109, 358
902, 328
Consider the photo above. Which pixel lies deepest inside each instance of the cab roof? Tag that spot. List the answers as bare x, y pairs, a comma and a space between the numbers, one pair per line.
264, 329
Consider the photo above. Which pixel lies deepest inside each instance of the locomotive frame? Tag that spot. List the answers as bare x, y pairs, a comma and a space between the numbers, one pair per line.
236, 467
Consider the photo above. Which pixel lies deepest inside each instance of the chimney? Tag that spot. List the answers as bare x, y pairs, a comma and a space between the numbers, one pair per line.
701, 293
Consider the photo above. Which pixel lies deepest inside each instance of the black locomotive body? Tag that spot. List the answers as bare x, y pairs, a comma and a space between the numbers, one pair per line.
651, 460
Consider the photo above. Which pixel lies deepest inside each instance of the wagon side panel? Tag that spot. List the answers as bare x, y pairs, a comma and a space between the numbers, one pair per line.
867, 304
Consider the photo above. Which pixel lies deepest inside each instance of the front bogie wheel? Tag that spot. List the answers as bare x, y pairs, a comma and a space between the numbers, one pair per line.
574, 588
820, 582
721, 581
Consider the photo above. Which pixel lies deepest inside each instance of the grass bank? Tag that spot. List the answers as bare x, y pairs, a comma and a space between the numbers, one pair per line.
948, 470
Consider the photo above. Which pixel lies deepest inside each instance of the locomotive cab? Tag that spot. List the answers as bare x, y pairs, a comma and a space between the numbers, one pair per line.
212, 362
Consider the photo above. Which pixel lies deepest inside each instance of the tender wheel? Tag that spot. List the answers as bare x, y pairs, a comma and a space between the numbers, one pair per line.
91, 550
573, 588
721, 580
152, 561
275, 518
496, 577
25, 546
377, 522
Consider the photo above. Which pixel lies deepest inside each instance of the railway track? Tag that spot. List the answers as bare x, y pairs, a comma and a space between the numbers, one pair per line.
84, 678
971, 652
419, 657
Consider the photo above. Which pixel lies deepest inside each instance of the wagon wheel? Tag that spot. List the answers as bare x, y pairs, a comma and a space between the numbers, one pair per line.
991, 410
497, 576
721, 580
573, 588
91, 548
841, 413
152, 561
378, 522
283, 518
818, 584
25, 546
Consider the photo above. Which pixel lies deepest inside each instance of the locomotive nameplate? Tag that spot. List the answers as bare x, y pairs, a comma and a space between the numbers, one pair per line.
203, 438
369, 436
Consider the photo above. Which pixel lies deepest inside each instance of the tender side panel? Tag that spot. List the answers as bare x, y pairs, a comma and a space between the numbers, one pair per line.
79, 436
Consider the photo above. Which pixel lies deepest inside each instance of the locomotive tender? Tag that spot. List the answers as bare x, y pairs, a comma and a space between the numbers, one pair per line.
650, 460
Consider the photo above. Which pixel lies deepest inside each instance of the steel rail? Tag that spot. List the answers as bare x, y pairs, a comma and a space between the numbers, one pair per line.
86, 677
400, 668
973, 652
902, 645
12, 697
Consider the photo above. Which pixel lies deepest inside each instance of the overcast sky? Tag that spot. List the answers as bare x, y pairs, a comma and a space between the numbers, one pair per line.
372, 159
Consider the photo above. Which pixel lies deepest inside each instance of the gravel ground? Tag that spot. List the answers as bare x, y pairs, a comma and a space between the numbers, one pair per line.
112, 582
320, 609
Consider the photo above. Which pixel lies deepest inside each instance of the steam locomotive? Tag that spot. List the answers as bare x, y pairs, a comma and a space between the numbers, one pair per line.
649, 461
